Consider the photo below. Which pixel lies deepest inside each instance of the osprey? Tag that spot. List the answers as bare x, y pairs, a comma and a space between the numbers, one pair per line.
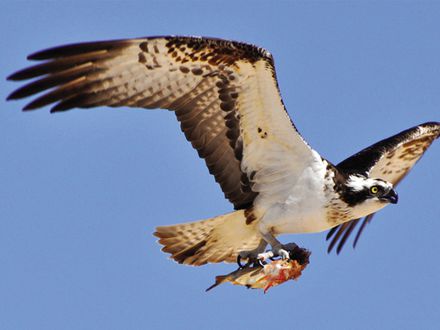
226, 98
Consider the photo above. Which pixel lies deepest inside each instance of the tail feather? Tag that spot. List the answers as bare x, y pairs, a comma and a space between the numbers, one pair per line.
212, 240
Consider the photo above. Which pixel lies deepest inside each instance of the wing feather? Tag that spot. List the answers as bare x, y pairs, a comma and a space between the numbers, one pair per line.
224, 94
391, 160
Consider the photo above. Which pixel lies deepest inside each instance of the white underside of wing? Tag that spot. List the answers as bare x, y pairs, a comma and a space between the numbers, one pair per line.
274, 154
287, 174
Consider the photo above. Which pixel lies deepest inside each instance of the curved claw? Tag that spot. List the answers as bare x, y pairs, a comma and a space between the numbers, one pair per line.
280, 251
255, 262
240, 265
285, 255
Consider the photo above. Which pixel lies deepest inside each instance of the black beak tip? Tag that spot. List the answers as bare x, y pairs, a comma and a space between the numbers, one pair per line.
393, 197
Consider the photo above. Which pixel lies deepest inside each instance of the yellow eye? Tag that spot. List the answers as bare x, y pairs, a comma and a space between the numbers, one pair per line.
374, 190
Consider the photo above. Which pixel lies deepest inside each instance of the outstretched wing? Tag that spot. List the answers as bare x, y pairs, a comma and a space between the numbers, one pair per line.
224, 94
390, 160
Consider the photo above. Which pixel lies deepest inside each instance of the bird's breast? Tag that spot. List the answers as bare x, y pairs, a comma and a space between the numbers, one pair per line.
304, 208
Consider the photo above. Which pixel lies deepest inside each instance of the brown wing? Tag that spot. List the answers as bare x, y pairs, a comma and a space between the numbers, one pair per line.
192, 76
390, 160
224, 94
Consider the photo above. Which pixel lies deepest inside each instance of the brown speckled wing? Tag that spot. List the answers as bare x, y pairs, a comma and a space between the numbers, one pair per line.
391, 160
220, 91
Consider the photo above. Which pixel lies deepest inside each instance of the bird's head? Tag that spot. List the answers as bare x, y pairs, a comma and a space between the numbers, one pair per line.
366, 195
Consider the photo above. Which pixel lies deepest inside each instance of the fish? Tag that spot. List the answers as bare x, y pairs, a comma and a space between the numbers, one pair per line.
276, 272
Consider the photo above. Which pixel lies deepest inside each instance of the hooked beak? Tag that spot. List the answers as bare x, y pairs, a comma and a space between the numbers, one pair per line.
391, 197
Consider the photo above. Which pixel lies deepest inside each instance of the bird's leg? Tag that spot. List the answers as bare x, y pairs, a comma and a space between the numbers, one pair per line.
252, 255
278, 249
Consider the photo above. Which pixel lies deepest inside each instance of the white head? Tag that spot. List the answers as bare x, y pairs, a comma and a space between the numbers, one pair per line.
366, 195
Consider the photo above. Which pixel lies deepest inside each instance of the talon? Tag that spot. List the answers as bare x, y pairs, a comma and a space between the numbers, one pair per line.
283, 254
282, 251
251, 260
251, 256
240, 265
265, 255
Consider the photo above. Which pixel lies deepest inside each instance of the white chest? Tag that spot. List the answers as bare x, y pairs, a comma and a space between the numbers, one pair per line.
303, 208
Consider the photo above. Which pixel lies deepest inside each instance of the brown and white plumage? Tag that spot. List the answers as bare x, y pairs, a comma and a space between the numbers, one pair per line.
219, 90
226, 98
391, 160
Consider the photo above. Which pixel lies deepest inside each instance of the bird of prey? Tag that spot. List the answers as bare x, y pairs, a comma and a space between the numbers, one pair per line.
226, 97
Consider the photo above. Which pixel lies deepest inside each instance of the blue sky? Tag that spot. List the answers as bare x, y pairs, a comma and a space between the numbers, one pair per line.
81, 192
